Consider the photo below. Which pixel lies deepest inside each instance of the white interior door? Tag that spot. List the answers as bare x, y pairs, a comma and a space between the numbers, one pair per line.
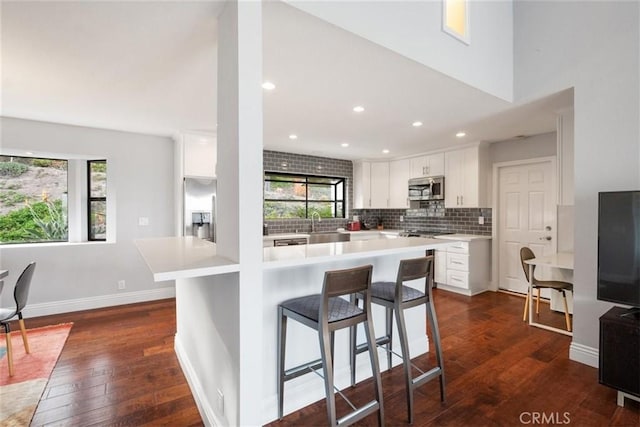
526, 217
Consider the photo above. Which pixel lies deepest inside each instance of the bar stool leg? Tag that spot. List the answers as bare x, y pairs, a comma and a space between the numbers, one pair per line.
327, 364
375, 368
435, 331
526, 307
353, 335
406, 360
389, 330
282, 343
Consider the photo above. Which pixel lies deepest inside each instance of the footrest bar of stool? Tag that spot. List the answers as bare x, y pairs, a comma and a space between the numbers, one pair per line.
427, 376
300, 370
361, 348
359, 413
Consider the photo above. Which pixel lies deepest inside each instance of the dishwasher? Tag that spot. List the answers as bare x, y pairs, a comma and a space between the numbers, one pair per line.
290, 242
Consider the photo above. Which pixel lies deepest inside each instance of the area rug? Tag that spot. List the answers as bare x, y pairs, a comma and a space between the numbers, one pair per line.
20, 394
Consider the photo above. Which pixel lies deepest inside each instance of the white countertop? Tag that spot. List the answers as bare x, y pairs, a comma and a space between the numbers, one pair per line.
463, 237
291, 256
171, 258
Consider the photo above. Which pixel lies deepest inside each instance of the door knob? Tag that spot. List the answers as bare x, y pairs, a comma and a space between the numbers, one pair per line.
546, 238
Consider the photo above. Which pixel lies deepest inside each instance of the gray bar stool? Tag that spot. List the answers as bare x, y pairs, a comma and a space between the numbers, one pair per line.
396, 297
326, 313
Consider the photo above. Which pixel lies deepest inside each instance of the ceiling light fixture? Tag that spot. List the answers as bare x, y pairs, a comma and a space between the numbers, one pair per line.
293, 136
29, 153
268, 86
385, 151
344, 144
461, 134
358, 108
416, 124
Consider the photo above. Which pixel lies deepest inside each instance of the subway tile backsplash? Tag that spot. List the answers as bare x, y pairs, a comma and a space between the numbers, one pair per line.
430, 215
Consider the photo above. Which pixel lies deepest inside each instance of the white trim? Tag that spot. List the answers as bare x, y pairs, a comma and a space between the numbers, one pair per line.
495, 271
207, 413
559, 157
78, 304
584, 354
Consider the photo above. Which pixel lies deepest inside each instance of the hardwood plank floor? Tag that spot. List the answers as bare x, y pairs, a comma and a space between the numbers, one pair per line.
119, 368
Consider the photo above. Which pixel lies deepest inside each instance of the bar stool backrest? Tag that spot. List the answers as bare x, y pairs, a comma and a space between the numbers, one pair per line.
415, 268
345, 282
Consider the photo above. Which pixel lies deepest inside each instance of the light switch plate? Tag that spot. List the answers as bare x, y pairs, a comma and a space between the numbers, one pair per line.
143, 221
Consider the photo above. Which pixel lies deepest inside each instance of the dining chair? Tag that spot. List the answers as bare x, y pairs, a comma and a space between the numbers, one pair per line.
20, 295
527, 254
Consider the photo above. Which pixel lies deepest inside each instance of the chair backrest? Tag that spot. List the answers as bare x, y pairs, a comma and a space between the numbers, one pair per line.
412, 269
525, 255
21, 291
347, 281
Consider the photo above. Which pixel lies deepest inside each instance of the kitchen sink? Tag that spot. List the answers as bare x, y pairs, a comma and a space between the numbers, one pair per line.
328, 237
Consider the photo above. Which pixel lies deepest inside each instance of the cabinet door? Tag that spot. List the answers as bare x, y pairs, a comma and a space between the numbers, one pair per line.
440, 273
361, 185
470, 178
399, 173
453, 177
418, 166
435, 164
199, 156
379, 185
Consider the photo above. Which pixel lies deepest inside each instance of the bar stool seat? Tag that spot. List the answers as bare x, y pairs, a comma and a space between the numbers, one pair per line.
326, 313
396, 297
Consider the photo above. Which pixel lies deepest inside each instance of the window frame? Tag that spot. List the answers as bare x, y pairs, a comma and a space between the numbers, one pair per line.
91, 199
307, 179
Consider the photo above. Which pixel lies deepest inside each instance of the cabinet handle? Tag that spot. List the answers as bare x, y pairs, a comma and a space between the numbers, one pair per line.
456, 262
462, 200
427, 170
456, 279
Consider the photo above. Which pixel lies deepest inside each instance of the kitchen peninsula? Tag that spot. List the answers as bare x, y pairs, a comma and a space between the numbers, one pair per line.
207, 315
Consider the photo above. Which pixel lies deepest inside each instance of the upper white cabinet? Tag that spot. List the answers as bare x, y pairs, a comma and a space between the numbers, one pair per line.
399, 174
371, 185
199, 155
431, 165
465, 182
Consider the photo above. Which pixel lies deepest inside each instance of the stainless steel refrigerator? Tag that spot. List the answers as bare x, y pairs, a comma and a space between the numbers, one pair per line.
200, 208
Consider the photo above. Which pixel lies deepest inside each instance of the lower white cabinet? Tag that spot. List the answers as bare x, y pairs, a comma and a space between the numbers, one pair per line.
464, 267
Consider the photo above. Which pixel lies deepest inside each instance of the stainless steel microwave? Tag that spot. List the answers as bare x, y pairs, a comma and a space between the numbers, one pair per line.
426, 188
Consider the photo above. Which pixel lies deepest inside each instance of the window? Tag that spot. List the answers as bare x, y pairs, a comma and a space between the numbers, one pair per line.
97, 208
298, 196
33, 200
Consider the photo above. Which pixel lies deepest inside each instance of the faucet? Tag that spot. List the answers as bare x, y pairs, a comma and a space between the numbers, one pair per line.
313, 228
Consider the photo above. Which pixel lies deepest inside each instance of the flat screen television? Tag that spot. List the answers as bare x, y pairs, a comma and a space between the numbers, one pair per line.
619, 247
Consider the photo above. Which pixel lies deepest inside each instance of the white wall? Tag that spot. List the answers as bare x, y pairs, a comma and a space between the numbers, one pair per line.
140, 183
414, 29
593, 47
543, 145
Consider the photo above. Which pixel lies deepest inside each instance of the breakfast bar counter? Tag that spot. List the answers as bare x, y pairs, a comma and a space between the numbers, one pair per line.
210, 309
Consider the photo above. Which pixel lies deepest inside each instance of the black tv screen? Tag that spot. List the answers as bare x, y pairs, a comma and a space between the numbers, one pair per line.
619, 247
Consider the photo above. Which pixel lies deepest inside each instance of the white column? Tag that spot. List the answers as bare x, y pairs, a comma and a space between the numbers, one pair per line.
240, 188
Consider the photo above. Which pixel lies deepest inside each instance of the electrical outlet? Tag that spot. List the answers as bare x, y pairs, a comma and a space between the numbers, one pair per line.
220, 402
401, 218
143, 221
121, 284
481, 220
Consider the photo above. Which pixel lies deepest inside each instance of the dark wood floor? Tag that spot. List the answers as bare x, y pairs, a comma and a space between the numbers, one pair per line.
119, 368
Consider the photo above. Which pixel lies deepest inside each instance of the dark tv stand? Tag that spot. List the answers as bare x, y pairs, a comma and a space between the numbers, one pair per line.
619, 352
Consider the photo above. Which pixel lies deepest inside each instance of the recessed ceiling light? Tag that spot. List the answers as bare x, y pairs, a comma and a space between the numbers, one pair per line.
461, 134
344, 144
385, 151
293, 136
29, 153
358, 108
268, 86
416, 124
284, 164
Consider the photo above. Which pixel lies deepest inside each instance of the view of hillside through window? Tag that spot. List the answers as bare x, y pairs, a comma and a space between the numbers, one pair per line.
33, 200
299, 196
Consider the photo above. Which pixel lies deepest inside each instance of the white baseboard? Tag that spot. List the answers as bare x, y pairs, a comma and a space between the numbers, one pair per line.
78, 304
207, 413
584, 354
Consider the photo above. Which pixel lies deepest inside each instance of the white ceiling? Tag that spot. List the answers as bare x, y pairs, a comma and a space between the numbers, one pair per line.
150, 67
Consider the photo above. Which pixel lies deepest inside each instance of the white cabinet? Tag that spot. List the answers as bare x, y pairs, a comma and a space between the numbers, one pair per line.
371, 185
464, 267
399, 174
465, 183
199, 155
431, 165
